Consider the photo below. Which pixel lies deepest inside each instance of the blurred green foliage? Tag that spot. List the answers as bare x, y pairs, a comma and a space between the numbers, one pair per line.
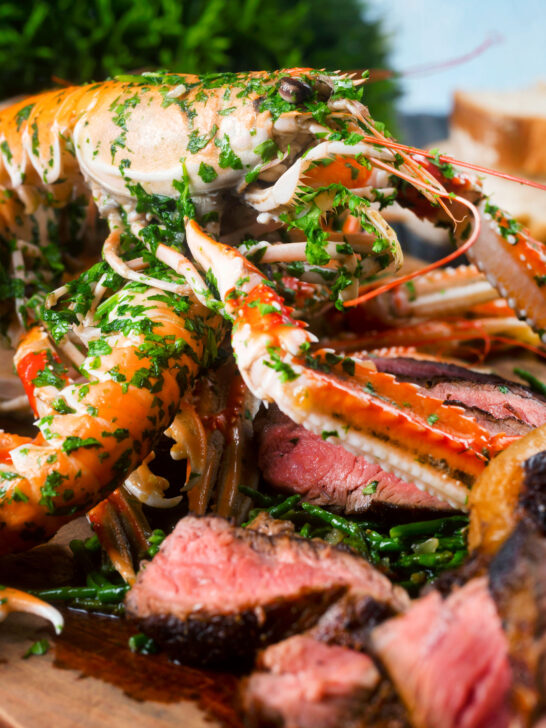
84, 40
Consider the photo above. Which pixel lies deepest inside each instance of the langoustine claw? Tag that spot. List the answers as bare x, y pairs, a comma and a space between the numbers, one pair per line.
13, 600
417, 437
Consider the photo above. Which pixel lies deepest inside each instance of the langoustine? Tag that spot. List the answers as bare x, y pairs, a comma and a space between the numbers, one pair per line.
283, 157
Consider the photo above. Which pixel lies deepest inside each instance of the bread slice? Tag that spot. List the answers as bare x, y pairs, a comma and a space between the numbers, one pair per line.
505, 130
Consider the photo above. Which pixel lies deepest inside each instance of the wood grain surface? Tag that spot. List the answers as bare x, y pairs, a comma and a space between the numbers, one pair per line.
90, 679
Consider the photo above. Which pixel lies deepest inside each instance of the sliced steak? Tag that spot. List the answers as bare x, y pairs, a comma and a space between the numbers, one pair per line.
323, 679
215, 593
517, 583
303, 683
293, 459
449, 660
499, 404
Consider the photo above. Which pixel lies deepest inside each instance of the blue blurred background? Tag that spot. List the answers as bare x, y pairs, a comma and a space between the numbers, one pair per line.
422, 32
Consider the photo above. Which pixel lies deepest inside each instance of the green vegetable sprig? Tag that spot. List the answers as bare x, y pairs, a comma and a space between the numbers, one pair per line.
410, 553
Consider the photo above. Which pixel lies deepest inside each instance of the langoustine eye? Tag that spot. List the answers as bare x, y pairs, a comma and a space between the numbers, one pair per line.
294, 90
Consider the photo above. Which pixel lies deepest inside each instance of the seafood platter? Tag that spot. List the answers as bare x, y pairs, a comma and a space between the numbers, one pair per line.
302, 484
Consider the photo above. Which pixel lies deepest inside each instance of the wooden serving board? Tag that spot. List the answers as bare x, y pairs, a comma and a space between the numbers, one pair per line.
90, 679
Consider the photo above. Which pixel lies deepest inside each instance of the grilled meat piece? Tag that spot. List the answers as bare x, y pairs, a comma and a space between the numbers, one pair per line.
532, 500
304, 683
516, 575
448, 660
518, 585
216, 593
323, 679
351, 619
499, 404
293, 459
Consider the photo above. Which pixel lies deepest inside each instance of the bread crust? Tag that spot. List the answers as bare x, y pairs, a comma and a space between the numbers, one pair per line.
517, 140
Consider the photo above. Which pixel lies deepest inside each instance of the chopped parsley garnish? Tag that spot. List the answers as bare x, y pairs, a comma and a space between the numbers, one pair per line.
445, 168
227, 158
50, 376
18, 496
9, 475
99, 347
142, 644
207, 172
49, 490
22, 115
287, 374
35, 145
72, 443
412, 294
508, 227
196, 142
6, 151
121, 114
267, 150
40, 647
370, 488
59, 405
121, 433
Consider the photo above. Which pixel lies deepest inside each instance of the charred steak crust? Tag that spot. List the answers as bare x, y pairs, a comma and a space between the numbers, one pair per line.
233, 640
517, 582
384, 709
350, 621
533, 496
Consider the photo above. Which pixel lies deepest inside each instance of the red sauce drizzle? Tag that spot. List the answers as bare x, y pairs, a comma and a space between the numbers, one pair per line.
255, 309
